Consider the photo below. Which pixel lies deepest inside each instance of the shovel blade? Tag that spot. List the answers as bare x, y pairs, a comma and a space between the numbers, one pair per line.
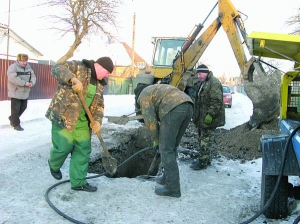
122, 120
110, 164
118, 120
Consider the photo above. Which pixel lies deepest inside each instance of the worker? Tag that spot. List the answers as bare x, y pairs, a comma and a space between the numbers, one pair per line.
20, 80
71, 131
166, 111
209, 113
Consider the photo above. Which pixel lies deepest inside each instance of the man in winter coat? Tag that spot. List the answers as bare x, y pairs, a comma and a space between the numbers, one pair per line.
71, 128
166, 111
20, 79
209, 113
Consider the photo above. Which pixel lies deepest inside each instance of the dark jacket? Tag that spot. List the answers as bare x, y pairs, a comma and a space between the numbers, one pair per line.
17, 77
156, 101
65, 106
209, 101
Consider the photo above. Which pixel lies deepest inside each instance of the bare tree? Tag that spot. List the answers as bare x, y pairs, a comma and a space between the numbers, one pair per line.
223, 78
295, 22
84, 17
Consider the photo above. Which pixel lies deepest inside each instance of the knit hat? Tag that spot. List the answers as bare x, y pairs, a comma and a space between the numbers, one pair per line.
22, 57
145, 77
202, 68
106, 63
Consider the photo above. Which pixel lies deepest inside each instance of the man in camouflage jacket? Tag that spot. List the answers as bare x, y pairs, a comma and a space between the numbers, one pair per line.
209, 113
166, 111
71, 131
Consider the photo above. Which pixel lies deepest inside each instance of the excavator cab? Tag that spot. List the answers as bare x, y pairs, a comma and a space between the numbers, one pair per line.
165, 50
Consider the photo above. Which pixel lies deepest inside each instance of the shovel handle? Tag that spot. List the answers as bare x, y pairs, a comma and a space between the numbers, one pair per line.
87, 110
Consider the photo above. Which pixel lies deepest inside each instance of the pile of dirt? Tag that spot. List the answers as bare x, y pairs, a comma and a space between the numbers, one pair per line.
239, 143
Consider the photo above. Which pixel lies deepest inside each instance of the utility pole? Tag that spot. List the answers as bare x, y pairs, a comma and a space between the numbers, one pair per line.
132, 53
133, 46
8, 34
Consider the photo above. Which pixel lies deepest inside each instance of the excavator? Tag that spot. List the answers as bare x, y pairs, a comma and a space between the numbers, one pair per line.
276, 95
174, 59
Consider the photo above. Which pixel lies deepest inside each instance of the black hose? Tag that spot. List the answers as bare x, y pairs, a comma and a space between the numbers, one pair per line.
90, 177
297, 220
278, 179
56, 209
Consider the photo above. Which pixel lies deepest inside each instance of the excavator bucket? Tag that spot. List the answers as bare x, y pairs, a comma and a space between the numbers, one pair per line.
264, 92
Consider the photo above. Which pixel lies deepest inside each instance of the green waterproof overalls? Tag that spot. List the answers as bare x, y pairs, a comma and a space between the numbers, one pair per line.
78, 143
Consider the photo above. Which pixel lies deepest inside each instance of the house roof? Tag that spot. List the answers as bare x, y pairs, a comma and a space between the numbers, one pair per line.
18, 39
137, 58
122, 53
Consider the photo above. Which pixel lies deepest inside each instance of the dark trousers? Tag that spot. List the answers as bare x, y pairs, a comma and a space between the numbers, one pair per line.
172, 128
17, 107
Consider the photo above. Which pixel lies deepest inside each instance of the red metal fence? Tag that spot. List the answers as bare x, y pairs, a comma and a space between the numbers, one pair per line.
44, 87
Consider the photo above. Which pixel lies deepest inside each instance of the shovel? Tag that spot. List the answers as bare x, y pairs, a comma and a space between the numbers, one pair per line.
154, 164
123, 119
109, 163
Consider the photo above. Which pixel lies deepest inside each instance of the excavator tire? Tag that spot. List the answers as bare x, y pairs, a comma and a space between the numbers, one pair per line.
278, 208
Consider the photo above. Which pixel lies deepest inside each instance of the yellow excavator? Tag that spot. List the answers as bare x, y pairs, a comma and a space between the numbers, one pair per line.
273, 96
174, 59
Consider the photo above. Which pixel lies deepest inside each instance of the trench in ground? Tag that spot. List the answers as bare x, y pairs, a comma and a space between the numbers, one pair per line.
127, 145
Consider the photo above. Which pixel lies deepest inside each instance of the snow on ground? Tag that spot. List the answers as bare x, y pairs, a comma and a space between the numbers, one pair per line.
226, 192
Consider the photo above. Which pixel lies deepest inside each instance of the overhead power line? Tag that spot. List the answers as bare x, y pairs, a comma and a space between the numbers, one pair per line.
24, 8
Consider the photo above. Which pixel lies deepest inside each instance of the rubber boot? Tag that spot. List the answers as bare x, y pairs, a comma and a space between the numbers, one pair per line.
161, 179
198, 165
163, 191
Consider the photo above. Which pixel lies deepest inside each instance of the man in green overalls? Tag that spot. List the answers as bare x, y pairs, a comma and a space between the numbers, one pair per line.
71, 128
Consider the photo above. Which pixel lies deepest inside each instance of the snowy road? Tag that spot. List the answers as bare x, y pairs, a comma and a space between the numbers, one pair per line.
226, 192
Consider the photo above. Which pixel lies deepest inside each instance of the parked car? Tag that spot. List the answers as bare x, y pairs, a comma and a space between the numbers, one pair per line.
227, 96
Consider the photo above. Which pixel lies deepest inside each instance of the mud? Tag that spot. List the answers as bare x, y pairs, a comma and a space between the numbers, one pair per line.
264, 93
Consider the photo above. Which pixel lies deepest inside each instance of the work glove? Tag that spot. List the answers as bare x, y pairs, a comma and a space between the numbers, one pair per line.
76, 85
155, 146
208, 119
96, 126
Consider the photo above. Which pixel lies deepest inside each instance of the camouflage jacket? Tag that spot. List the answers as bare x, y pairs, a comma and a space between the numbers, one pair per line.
209, 101
17, 77
65, 106
156, 101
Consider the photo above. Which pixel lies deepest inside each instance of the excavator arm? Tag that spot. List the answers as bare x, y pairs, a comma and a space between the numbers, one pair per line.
186, 61
230, 20
177, 70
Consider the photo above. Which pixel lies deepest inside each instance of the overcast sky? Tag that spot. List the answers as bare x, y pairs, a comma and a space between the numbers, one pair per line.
153, 18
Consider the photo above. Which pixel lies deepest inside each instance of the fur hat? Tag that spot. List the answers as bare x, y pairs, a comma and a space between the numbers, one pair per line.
22, 57
202, 68
106, 63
